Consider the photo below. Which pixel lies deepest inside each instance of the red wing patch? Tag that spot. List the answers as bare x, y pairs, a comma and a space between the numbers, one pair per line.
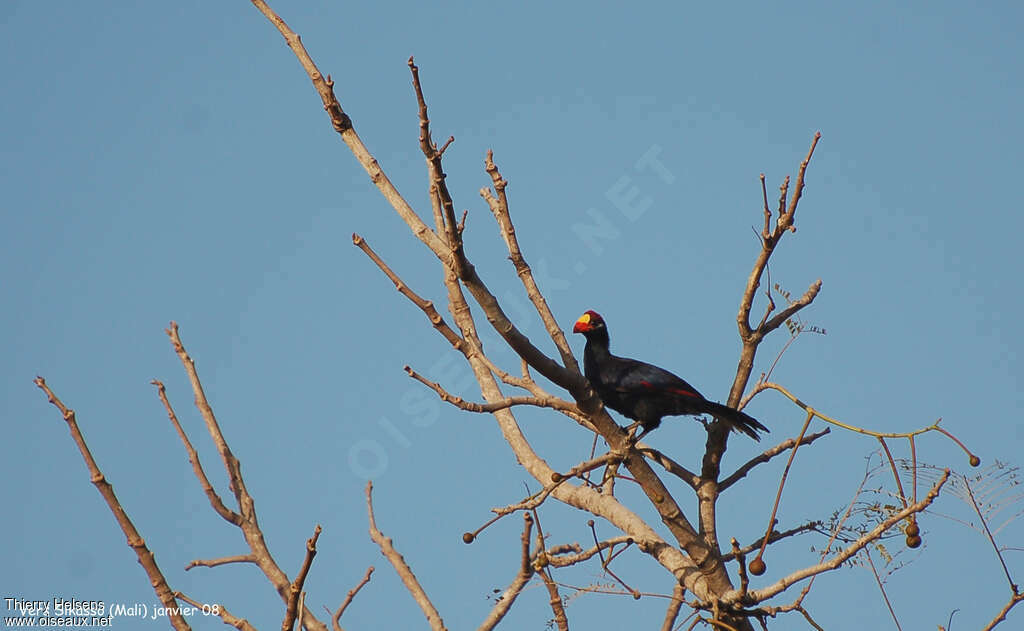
687, 393
647, 385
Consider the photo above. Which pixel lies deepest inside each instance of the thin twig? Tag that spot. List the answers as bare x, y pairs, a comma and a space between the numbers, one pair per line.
878, 579
425, 305
240, 558
992, 540
508, 597
492, 406
336, 617
895, 473
774, 536
1013, 602
219, 610
300, 579
403, 569
438, 186
782, 483
499, 208
605, 563
809, 619
934, 427
670, 465
674, 605
742, 571
215, 501
767, 455
560, 558
538, 498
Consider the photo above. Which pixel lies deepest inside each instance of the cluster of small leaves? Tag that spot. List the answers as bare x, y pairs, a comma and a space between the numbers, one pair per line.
496, 595
872, 506
796, 325
892, 562
586, 589
876, 506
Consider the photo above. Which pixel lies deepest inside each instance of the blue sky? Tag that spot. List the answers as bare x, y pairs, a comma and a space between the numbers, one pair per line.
172, 161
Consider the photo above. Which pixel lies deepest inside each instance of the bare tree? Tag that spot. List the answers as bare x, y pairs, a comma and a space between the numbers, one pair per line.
698, 577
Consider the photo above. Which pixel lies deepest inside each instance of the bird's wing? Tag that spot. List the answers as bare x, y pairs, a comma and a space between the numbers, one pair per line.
630, 376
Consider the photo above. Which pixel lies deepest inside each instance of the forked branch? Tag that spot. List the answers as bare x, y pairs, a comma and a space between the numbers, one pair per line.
336, 616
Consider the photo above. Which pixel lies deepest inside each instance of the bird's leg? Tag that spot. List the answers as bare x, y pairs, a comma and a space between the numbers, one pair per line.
632, 437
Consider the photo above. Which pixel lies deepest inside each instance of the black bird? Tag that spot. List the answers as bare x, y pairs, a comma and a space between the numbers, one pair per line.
646, 393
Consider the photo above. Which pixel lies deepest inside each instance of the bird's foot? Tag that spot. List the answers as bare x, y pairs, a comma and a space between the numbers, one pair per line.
632, 435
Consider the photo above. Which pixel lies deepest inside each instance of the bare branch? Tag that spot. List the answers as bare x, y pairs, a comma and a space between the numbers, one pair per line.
231, 464
769, 241
674, 605
988, 532
878, 580
786, 220
555, 600
300, 579
752, 337
425, 305
895, 473
438, 186
146, 558
565, 559
782, 483
766, 231
741, 559
792, 308
1001, 616
343, 125
493, 406
606, 562
670, 465
249, 524
809, 619
767, 455
508, 597
499, 208
557, 479
239, 623
774, 536
934, 427
770, 307
193, 457
336, 617
403, 569
239, 558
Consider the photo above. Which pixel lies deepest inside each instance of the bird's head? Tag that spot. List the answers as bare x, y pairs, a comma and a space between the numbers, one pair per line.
588, 323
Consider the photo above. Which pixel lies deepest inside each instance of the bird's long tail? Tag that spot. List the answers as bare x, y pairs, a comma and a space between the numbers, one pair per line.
736, 420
